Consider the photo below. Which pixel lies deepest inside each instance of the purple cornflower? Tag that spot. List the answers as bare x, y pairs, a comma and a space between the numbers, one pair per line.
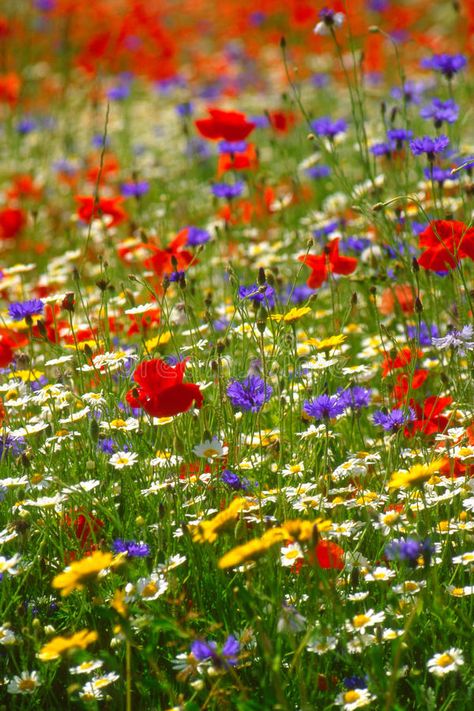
439, 175
409, 550
299, 294
428, 145
11, 445
135, 189
184, 109
249, 394
328, 20
100, 141
462, 340
203, 651
447, 64
316, 172
355, 398
425, 334
382, 149
377, 6
119, 92
399, 135
197, 236
394, 420
324, 407
325, 126
106, 445
354, 244
227, 191
234, 481
232, 146
411, 92
176, 276
25, 309
26, 125
133, 549
355, 682
441, 111
258, 294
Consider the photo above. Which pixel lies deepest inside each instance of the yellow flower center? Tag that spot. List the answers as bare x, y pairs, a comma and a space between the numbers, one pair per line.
360, 620
36, 478
457, 592
445, 660
351, 696
118, 423
209, 453
27, 685
149, 590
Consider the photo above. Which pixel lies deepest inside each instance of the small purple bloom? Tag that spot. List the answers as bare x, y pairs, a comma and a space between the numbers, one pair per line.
227, 191
197, 236
411, 92
249, 394
106, 445
355, 398
462, 340
316, 172
131, 548
399, 135
232, 146
428, 145
441, 111
394, 420
446, 64
202, 651
325, 126
184, 109
425, 334
264, 294
119, 92
324, 407
409, 550
234, 481
135, 189
439, 175
25, 309
382, 149
11, 445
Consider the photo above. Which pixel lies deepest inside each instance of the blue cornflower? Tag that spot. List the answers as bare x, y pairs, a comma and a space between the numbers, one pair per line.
439, 174
399, 135
234, 481
260, 121
184, 109
394, 420
355, 682
232, 146
249, 394
258, 294
100, 141
411, 92
441, 111
197, 236
202, 651
316, 172
135, 189
176, 276
447, 64
325, 126
11, 445
409, 550
227, 191
299, 294
382, 149
354, 244
131, 548
25, 309
106, 445
119, 92
425, 333
355, 398
320, 80
220, 324
462, 340
428, 145
197, 148
327, 229
324, 407
26, 125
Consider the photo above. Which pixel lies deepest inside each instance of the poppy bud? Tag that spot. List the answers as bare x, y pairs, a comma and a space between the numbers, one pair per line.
261, 279
282, 42
354, 299
418, 306
68, 302
88, 350
42, 328
415, 265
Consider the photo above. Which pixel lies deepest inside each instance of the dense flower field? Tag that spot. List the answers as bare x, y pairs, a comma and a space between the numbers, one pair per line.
236, 355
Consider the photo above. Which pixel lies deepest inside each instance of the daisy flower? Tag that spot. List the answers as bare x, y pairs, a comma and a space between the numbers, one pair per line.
446, 662
120, 460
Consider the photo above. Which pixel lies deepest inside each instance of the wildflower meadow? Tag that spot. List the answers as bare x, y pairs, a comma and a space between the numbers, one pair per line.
236, 355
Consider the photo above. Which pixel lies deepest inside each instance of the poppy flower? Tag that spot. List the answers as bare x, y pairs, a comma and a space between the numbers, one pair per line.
172, 258
160, 390
10, 85
446, 242
240, 160
12, 221
400, 360
329, 262
229, 125
429, 416
89, 208
329, 555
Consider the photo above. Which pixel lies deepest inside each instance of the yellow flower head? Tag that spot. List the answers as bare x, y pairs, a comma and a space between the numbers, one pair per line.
253, 549
206, 531
415, 476
327, 343
301, 530
160, 340
84, 571
59, 645
292, 315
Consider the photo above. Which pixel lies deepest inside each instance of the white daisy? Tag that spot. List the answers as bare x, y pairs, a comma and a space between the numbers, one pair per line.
446, 662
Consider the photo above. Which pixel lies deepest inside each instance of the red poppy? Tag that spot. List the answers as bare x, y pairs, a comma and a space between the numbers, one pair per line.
400, 360
429, 418
160, 389
329, 555
89, 208
12, 221
237, 161
10, 88
446, 242
281, 121
162, 260
404, 383
9, 340
227, 125
329, 262
24, 187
